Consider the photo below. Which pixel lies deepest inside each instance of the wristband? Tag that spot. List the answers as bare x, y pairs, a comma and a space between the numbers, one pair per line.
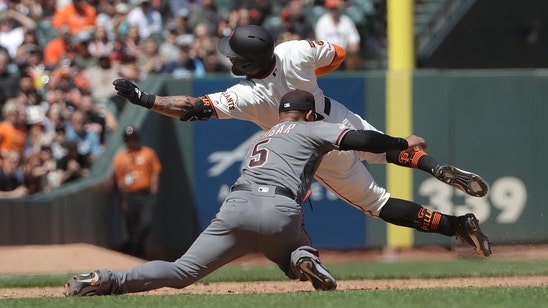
147, 100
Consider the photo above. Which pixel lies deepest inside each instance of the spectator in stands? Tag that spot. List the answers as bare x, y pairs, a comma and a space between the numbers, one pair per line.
130, 42
101, 45
128, 68
30, 44
99, 77
48, 7
180, 21
106, 12
73, 165
9, 78
12, 36
82, 56
257, 11
212, 64
35, 173
185, 66
147, 19
101, 120
33, 76
59, 51
202, 42
207, 14
179, 6
150, 60
37, 135
294, 24
168, 49
30, 8
338, 29
13, 129
88, 142
78, 16
11, 177
119, 21
239, 17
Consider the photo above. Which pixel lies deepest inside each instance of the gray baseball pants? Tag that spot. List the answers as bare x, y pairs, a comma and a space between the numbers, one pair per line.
246, 222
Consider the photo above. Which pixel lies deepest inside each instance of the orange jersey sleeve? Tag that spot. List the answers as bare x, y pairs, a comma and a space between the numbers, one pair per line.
340, 55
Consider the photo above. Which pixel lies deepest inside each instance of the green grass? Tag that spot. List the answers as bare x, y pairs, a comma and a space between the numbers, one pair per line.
458, 297
451, 297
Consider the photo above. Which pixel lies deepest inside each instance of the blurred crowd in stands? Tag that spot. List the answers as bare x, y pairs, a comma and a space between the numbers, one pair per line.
58, 59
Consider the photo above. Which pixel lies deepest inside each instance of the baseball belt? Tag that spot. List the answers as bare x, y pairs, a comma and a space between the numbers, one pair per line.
277, 190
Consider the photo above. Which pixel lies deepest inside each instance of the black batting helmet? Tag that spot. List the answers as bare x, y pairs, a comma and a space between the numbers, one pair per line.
249, 48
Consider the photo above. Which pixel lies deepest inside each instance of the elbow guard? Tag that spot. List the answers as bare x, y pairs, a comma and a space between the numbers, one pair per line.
201, 110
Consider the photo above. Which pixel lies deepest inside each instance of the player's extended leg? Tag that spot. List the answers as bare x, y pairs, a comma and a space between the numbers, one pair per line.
410, 214
470, 183
344, 175
217, 245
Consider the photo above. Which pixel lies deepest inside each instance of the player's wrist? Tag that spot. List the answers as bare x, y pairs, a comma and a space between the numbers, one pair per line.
147, 100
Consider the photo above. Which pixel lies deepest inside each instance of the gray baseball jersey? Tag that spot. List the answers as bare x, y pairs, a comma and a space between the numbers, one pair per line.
289, 153
255, 218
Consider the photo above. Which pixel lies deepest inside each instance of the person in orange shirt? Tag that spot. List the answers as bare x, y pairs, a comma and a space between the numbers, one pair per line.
136, 173
79, 16
59, 48
13, 129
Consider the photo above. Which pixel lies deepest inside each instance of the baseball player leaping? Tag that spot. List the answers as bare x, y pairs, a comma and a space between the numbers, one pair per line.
272, 72
263, 210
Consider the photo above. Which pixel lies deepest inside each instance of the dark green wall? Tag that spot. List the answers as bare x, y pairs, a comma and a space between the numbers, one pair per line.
489, 122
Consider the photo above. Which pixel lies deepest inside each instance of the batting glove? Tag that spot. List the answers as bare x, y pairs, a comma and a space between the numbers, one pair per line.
131, 91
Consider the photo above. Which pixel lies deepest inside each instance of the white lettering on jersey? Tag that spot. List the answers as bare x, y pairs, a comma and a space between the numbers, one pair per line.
280, 129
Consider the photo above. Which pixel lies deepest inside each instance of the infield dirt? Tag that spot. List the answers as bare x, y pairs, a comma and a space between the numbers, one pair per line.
61, 259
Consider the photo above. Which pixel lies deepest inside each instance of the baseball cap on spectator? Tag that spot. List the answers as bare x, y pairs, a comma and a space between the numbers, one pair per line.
184, 40
121, 8
332, 4
183, 12
82, 36
130, 132
299, 100
35, 115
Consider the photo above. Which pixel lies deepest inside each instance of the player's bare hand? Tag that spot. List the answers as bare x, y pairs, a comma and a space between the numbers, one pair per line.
414, 141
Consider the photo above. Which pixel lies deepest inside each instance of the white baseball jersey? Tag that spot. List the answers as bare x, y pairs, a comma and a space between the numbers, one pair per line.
257, 100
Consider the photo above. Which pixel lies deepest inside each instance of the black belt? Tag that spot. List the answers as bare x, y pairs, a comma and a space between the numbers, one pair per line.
327, 105
278, 190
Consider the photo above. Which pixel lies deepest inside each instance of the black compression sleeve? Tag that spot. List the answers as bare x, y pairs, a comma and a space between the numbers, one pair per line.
371, 141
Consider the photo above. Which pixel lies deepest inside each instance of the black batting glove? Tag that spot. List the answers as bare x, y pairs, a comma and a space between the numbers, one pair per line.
131, 91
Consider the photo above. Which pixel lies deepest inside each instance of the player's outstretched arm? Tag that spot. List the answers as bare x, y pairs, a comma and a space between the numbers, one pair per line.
186, 108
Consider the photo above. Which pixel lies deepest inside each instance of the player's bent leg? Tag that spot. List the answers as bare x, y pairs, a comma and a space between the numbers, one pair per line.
307, 266
346, 176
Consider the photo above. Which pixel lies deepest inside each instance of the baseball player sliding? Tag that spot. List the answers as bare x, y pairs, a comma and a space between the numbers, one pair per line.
270, 72
263, 210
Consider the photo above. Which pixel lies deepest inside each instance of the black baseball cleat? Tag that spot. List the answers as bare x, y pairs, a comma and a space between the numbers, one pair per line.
470, 183
468, 231
314, 271
85, 285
